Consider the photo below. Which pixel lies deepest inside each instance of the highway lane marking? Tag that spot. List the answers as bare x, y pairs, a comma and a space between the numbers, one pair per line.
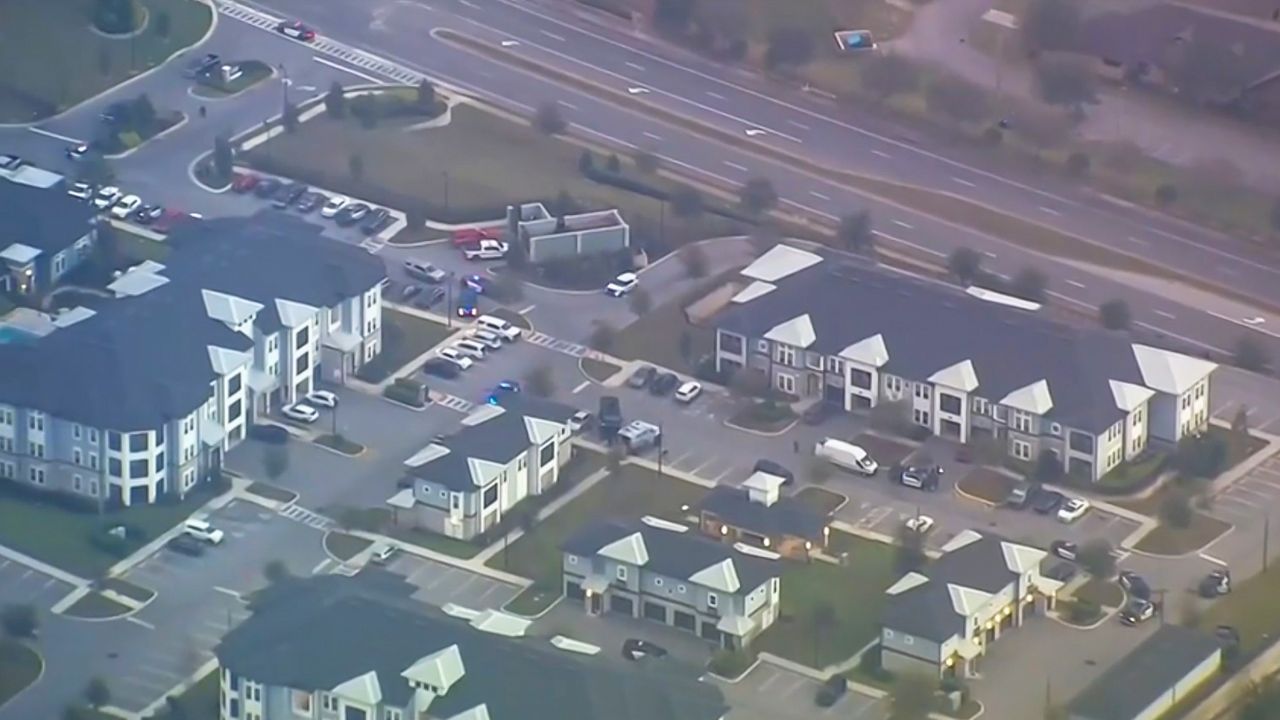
1227, 271
54, 135
1073, 283
654, 136
800, 125
881, 153
1049, 210
819, 195
901, 224
526, 309
470, 4
569, 105
321, 566
1137, 240
142, 623
1242, 323
1162, 313
716, 95
581, 386
989, 254
964, 182
735, 166
344, 68
635, 66
1172, 334
553, 36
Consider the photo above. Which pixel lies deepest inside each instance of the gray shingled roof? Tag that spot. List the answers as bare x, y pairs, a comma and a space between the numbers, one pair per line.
316, 633
142, 361
45, 218
927, 327
787, 516
673, 554
1142, 676
499, 439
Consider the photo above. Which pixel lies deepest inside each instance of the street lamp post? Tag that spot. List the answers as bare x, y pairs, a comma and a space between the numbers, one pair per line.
1266, 539
448, 289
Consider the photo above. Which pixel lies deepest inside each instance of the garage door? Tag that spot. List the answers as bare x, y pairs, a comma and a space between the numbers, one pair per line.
684, 620
654, 611
622, 605
573, 590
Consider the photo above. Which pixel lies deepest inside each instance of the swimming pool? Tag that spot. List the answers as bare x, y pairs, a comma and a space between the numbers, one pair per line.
10, 334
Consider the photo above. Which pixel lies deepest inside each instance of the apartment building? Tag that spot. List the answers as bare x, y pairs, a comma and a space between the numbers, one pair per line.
963, 364
662, 571
760, 515
141, 397
44, 232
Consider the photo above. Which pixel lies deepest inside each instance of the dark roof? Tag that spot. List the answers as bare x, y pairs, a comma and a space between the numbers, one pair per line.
47, 219
1141, 677
142, 361
787, 516
499, 439
318, 632
927, 610
674, 554
927, 327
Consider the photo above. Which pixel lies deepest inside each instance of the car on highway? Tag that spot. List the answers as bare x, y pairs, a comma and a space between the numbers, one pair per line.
770, 467
244, 182
376, 222
920, 524
1133, 584
423, 270
125, 205
643, 377
322, 398
1073, 509
830, 692
486, 250
202, 530
1064, 549
200, 65
635, 649
622, 284
184, 544
80, 191
267, 187
441, 368
333, 206
1137, 611
454, 356
1216, 584
296, 29
106, 197
688, 392
309, 203
1046, 502
351, 214
301, 412
147, 214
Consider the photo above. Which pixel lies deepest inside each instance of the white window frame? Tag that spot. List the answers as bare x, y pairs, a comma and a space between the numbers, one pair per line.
785, 379
713, 600
1023, 444
762, 346
657, 582
1055, 429
621, 572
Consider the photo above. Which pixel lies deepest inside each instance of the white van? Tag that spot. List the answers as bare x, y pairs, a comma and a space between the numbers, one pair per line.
202, 530
846, 455
500, 327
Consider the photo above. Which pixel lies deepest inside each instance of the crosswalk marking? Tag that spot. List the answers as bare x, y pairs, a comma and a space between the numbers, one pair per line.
453, 402
558, 345
297, 513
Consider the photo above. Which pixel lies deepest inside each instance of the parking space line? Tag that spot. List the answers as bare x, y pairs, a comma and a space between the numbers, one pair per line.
228, 591
143, 623
773, 677
465, 584
1251, 491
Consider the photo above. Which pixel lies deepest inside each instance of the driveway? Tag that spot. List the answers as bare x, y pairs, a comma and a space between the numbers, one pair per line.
20, 585
1234, 389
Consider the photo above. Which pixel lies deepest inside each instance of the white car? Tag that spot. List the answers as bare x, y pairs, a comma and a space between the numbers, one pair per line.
322, 398
579, 420
485, 338
81, 191
499, 327
457, 358
201, 530
106, 197
486, 250
125, 205
920, 524
302, 413
623, 284
333, 206
470, 348
1073, 510
689, 392
425, 271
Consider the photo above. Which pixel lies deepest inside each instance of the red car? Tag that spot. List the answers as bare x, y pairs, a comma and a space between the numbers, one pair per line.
466, 237
244, 182
296, 30
170, 220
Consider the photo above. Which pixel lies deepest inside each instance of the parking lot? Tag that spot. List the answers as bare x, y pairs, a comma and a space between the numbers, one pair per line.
1233, 389
439, 584
20, 585
769, 692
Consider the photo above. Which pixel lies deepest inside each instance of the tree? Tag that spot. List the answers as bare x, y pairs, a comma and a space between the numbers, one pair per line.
1176, 510
426, 95
20, 622
965, 263
912, 696
823, 621
96, 693
1050, 25
1251, 355
540, 382
275, 461
603, 336
1078, 164
686, 201
757, 196
223, 157
142, 112
1097, 559
1030, 283
355, 166
641, 302
275, 571
1240, 422
647, 162
854, 232
95, 169
1066, 82
1210, 71
958, 99
289, 117
115, 16
1115, 315
163, 25
1166, 194
694, 259
673, 15
548, 120
789, 47
890, 74
335, 101
909, 549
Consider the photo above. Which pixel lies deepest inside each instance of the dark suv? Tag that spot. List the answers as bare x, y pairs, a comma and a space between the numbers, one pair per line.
610, 416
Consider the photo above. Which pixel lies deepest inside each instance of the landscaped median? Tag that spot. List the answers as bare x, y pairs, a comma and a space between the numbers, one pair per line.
340, 444
252, 72
986, 485
405, 336
96, 606
20, 665
598, 370
344, 546
763, 417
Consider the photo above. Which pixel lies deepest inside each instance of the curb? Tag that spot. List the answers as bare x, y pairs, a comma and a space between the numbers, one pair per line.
1161, 556
741, 676
537, 616
363, 448
34, 681
324, 545
762, 433
974, 498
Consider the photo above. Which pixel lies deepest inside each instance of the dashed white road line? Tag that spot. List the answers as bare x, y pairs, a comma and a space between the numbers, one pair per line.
1049, 210
54, 135
963, 182
569, 105
635, 66
553, 36
1212, 559
881, 153
142, 623
735, 166
1162, 313
469, 4
901, 224
581, 386
1139, 241
989, 254
800, 125
227, 591
527, 309
1073, 283
819, 195
652, 136
716, 95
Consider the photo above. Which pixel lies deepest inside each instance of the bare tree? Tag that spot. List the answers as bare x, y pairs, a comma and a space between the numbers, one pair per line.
548, 119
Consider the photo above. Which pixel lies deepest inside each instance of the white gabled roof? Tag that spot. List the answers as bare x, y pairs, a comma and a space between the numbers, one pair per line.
364, 689
1170, 372
1033, 398
426, 455
962, 538
294, 314
960, 376
229, 309
496, 622
20, 254
1021, 558
225, 362
1000, 298
764, 482
541, 430
1129, 397
779, 262
440, 669
630, 549
797, 332
484, 472
722, 576
966, 600
868, 351
483, 413
907, 582
479, 712
754, 290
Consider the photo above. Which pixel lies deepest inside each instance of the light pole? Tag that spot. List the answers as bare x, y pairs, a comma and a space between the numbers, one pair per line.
1266, 539
448, 289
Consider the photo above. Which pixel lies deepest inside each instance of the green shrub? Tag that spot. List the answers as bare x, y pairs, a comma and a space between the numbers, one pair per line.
130, 139
1083, 612
731, 663
404, 394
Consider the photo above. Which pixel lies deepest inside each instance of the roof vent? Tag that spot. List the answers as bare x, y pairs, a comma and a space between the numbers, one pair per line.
753, 551
659, 523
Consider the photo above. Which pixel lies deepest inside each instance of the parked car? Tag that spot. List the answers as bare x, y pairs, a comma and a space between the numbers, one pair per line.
106, 197
922, 476
1133, 584
382, 554
486, 338
635, 649
442, 368
457, 358
642, 377
322, 398
847, 456
270, 434
486, 250
1216, 583
688, 392
765, 465
423, 270
622, 284
309, 202
296, 29
244, 182
184, 544
202, 530
467, 304
639, 435
288, 195
1073, 510
78, 151
267, 187
920, 524
351, 214
1019, 495
1137, 611
831, 691
376, 222
1064, 549
201, 65
1046, 502
80, 191
301, 412
333, 206
125, 205
610, 414
500, 327
147, 214
471, 236
580, 420
471, 348
664, 384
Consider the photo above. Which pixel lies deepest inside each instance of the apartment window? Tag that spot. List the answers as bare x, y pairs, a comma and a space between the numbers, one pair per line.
160, 462
921, 417
1055, 429
762, 346
547, 455
787, 383
712, 600
138, 468
114, 468
93, 487
949, 404
36, 449
786, 355
392, 714
93, 436
329, 702
1082, 442
37, 475
272, 343
980, 406
893, 384
835, 365
137, 442
6, 416
922, 391
93, 462
621, 572
1022, 449
7, 470
76, 457
35, 421
775, 586
300, 366
233, 412
354, 713
301, 339
233, 384
6, 444
1021, 421
1137, 418
75, 430
730, 344
860, 379
233, 707
490, 495
300, 702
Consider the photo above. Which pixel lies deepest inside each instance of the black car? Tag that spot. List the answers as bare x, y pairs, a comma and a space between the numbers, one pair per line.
636, 649
351, 214
1046, 502
1064, 549
831, 691
376, 221
408, 291
765, 465
201, 65
1133, 584
288, 195
664, 384
270, 434
610, 415
426, 301
309, 202
1137, 611
1063, 572
184, 544
148, 214
267, 187
923, 476
1216, 584
441, 368
642, 377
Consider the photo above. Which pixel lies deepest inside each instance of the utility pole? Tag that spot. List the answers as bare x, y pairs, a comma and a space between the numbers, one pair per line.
1266, 539
448, 288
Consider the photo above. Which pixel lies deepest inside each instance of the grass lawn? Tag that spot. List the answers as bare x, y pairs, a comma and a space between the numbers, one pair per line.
466, 171
824, 501
404, 337
128, 589
763, 416
381, 520
61, 537
854, 592
252, 73
52, 59
1133, 476
1168, 540
95, 605
1251, 609
19, 667
598, 370
340, 444
986, 484
1104, 593
655, 336
1239, 446
344, 546
271, 492
631, 492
